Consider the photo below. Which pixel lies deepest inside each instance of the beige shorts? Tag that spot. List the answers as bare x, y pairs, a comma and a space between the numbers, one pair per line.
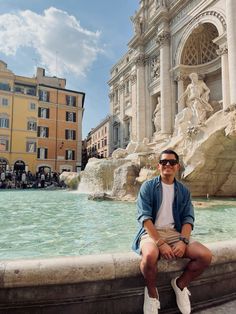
169, 235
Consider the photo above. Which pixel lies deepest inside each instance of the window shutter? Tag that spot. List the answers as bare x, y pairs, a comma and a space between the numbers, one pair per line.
39, 112
74, 116
47, 132
45, 153
66, 134
48, 96
73, 154
38, 132
74, 135
67, 116
66, 154
38, 153
47, 114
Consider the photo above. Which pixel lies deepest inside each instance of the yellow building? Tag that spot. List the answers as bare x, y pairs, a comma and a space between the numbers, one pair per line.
40, 123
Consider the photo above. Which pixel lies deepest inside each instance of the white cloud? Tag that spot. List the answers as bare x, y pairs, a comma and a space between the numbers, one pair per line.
56, 36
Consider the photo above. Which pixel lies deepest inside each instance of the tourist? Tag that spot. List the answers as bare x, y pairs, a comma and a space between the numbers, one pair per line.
166, 215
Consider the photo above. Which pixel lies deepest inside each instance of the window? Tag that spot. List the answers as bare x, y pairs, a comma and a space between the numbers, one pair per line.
70, 154
32, 106
19, 89
5, 102
71, 116
43, 131
31, 125
4, 144
42, 153
44, 95
71, 100
31, 146
5, 86
43, 113
70, 134
4, 122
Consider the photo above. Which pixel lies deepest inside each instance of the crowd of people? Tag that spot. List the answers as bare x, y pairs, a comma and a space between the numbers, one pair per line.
24, 180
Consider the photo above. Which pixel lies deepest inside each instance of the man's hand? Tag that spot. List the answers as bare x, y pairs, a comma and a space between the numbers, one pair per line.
166, 251
179, 249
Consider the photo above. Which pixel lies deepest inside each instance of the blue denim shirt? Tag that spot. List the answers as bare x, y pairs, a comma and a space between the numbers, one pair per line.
149, 202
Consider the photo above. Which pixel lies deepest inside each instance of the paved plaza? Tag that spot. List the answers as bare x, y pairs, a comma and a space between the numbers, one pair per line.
226, 308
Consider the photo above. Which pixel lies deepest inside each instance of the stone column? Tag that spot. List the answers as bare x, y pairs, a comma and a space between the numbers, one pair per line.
133, 80
122, 103
180, 87
140, 64
166, 112
231, 39
223, 52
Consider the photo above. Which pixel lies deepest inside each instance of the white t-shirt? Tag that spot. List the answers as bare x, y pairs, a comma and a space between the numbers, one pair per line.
164, 218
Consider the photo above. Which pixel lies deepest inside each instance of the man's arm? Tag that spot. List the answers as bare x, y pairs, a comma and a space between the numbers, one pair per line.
163, 247
179, 248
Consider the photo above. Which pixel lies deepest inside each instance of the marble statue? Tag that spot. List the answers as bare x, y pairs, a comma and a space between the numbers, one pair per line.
137, 23
197, 94
157, 115
183, 121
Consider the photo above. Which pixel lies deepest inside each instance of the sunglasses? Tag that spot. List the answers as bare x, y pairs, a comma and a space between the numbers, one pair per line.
172, 162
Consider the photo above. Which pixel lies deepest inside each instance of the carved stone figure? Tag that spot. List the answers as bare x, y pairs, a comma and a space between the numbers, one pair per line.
157, 116
197, 94
155, 68
138, 24
183, 121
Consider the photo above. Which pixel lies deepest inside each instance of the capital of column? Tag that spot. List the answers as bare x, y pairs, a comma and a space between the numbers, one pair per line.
133, 78
163, 38
141, 60
121, 87
222, 50
111, 95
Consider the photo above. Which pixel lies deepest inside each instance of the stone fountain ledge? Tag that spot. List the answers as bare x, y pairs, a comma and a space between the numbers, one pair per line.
108, 283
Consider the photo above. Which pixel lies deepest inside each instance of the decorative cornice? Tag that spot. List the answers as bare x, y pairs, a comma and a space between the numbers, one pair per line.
163, 38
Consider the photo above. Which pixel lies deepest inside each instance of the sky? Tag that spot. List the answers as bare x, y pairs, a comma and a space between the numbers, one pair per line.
79, 40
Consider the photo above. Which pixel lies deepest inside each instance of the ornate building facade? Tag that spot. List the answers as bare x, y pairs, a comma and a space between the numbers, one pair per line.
172, 39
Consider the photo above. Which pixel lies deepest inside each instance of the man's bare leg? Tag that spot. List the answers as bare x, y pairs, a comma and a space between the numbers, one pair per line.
148, 267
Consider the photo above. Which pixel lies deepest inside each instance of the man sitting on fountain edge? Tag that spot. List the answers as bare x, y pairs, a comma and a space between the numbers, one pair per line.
166, 216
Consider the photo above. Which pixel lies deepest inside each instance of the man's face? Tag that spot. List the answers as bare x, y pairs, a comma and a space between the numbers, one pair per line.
168, 165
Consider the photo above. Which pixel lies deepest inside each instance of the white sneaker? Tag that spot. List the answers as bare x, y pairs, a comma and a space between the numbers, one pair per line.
151, 305
182, 298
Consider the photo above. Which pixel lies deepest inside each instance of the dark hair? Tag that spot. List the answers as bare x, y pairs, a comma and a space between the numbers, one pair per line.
170, 151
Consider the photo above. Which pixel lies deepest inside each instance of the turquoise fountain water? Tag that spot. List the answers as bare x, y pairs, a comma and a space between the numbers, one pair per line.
58, 223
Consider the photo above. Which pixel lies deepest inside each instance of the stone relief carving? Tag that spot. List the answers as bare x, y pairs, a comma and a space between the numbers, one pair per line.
197, 94
155, 68
157, 116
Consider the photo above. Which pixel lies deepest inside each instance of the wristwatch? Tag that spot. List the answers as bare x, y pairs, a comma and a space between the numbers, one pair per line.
185, 240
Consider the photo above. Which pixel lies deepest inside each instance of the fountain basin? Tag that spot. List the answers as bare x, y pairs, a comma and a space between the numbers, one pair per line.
108, 283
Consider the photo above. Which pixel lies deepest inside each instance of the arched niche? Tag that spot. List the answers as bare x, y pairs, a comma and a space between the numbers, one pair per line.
197, 52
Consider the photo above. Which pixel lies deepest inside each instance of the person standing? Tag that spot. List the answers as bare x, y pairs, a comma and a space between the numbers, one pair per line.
166, 217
